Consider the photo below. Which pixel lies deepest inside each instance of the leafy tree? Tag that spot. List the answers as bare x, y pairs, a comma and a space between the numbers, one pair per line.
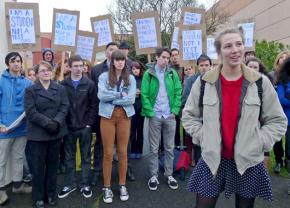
268, 50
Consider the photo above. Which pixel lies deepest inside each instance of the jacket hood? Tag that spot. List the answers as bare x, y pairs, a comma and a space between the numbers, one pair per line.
249, 74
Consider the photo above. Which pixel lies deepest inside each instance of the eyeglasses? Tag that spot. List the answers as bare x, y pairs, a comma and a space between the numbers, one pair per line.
44, 70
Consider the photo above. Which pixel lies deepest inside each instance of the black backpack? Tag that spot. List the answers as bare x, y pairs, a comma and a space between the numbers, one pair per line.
259, 84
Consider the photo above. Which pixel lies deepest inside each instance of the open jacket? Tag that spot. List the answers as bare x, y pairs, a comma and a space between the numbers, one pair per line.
252, 138
42, 106
12, 89
150, 88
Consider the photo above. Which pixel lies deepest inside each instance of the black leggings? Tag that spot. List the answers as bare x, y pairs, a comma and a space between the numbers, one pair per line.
203, 202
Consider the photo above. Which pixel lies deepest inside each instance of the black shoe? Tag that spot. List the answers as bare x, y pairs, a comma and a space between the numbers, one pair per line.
86, 191
39, 204
51, 201
66, 191
130, 175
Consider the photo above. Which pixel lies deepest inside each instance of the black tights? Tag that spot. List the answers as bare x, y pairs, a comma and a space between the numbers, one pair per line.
241, 202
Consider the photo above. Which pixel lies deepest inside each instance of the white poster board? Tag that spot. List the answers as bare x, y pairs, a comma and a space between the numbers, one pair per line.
248, 31
192, 15
146, 29
211, 52
86, 45
103, 26
22, 24
64, 31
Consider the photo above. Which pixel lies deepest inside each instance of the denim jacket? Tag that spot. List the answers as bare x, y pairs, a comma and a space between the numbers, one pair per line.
110, 97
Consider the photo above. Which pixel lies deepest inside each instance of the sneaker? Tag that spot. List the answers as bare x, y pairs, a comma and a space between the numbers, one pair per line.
153, 183
23, 189
277, 168
107, 195
27, 178
3, 197
172, 183
124, 195
86, 191
66, 191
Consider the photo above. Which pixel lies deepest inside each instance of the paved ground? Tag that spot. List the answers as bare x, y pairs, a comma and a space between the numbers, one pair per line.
141, 197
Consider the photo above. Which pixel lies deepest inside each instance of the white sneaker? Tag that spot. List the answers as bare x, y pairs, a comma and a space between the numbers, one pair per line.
124, 195
172, 183
107, 195
153, 183
3, 197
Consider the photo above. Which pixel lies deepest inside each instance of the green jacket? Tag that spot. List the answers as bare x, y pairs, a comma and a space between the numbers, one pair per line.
150, 88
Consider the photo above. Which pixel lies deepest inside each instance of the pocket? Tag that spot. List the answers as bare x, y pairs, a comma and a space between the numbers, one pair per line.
252, 109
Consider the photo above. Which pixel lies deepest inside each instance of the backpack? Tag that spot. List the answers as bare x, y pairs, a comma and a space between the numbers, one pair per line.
259, 84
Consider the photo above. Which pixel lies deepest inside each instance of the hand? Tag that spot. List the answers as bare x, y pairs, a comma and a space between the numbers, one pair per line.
3, 129
124, 94
52, 127
138, 92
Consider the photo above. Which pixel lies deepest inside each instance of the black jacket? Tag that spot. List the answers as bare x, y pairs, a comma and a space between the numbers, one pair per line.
83, 105
43, 107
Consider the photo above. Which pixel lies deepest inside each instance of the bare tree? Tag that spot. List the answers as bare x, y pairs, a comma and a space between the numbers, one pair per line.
215, 16
169, 12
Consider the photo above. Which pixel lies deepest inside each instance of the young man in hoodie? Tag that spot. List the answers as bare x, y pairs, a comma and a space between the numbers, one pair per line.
12, 141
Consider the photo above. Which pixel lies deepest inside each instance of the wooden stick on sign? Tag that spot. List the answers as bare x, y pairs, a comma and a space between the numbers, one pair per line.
149, 58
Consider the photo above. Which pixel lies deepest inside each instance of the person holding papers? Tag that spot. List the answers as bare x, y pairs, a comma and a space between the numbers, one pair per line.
12, 140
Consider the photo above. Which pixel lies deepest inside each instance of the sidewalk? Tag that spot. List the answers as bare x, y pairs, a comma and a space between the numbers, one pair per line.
141, 197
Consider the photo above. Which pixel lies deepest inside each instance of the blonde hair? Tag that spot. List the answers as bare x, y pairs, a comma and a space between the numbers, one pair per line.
276, 65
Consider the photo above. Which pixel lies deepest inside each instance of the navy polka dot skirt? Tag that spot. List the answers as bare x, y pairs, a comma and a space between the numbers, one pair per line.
255, 182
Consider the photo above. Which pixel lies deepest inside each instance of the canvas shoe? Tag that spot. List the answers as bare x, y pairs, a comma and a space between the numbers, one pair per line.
66, 191
107, 195
153, 183
86, 191
172, 183
124, 195
23, 189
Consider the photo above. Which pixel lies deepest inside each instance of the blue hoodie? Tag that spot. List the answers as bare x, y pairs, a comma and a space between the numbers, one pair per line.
284, 97
12, 91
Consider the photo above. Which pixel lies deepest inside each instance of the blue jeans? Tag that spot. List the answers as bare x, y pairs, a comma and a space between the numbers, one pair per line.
85, 138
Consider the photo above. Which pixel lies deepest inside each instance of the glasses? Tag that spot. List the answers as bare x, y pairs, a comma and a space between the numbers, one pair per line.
44, 70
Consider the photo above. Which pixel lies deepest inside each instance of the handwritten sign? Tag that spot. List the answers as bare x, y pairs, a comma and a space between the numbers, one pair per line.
65, 29
192, 44
174, 42
22, 25
191, 18
146, 32
102, 27
248, 31
86, 45
211, 52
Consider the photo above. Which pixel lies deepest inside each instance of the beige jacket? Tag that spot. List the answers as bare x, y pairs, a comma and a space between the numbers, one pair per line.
252, 138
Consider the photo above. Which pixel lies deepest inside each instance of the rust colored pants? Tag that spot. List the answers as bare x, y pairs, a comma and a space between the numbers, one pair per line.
116, 128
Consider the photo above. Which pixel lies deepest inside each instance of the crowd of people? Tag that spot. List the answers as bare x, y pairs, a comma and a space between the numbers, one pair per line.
232, 114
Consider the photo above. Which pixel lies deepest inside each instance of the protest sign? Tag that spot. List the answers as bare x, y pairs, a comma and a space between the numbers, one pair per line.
87, 45
192, 43
211, 52
174, 38
192, 16
22, 26
146, 29
104, 27
64, 29
248, 32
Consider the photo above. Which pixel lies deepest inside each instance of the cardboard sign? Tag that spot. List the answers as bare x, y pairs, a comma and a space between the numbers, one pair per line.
211, 52
103, 26
192, 43
87, 43
64, 29
22, 24
192, 16
248, 31
146, 29
174, 38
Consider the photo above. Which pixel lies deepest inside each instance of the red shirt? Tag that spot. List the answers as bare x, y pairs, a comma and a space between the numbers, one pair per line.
231, 92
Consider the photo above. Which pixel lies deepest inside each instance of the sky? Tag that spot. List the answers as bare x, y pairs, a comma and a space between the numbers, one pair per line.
87, 8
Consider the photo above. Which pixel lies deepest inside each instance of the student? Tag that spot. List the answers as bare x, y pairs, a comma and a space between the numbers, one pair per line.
48, 56
228, 129
46, 106
161, 101
283, 90
137, 120
116, 91
81, 93
12, 142
31, 74
98, 147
